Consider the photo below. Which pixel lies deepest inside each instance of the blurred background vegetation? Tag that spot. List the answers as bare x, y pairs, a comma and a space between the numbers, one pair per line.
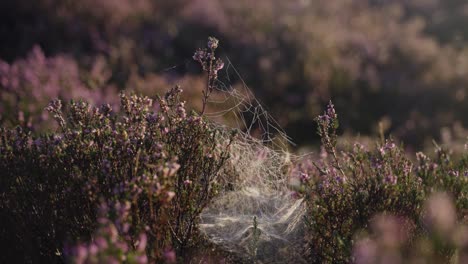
402, 64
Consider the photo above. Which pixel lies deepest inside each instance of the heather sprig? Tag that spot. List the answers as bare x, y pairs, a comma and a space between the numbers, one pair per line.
211, 65
327, 130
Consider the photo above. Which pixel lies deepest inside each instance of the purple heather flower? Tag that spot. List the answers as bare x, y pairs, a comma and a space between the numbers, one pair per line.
391, 179
331, 111
365, 251
407, 168
304, 177
37, 142
213, 43
101, 243
142, 242
382, 151
142, 259
93, 249
170, 256
295, 195
324, 118
358, 147
421, 156
125, 227
340, 179
187, 182
170, 195
181, 110
200, 55
106, 164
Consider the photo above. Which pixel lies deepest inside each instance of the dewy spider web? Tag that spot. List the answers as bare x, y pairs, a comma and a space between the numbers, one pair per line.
256, 216
246, 104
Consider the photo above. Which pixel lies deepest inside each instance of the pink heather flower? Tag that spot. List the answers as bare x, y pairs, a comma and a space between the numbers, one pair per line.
103, 220
170, 256
37, 142
388, 147
187, 182
294, 195
407, 168
81, 254
101, 243
181, 110
365, 251
93, 249
340, 179
199, 55
142, 242
170, 195
390, 178
331, 111
122, 246
358, 147
422, 158
304, 177
125, 227
324, 118
213, 43
454, 173
323, 153
113, 233
382, 151
143, 259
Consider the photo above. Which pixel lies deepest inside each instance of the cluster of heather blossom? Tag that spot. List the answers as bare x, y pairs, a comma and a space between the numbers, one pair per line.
379, 181
111, 242
327, 129
211, 65
27, 85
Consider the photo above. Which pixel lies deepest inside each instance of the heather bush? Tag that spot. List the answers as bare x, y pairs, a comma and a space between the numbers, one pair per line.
27, 85
345, 190
391, 240
156, 159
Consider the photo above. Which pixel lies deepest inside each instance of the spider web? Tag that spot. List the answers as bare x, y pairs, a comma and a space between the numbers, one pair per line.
248, 111
255, 216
